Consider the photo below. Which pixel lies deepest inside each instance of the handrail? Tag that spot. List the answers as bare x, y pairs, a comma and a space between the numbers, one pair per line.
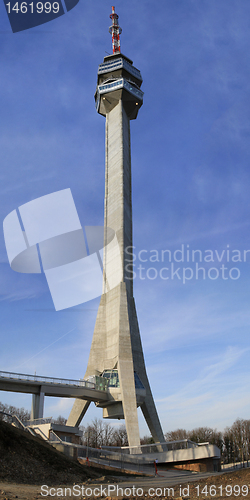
16, 421
55, 438
38, 431
49, 380
179, 444
120, 83
108, 66
178, 441
38, 421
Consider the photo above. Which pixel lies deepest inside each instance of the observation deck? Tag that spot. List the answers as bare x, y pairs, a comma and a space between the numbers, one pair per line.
118, 80
120, 62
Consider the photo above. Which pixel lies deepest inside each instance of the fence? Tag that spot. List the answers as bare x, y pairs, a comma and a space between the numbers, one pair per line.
119, 460
181, 444
116, 459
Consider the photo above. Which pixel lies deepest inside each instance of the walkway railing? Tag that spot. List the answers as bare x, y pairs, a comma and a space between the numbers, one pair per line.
235, 465
117, 460
99, 384
38, 421
181, 444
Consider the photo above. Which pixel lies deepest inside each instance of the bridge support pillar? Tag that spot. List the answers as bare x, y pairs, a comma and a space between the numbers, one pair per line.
37, 406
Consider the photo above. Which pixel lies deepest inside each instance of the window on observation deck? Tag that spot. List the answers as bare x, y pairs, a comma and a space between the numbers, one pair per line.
113, 379
119, 63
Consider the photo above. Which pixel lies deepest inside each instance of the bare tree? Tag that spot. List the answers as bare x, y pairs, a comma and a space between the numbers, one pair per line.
21, 413
147, 440
228, 446
120, 437
94, 434
108, 433
206, 434
176, 435
241, 438
98, 434
247, 439
60, 420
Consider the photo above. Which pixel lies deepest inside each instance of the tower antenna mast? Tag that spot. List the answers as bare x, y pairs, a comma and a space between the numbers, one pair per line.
115, 31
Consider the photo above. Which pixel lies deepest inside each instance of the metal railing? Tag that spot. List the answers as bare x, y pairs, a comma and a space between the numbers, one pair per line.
38, 421
180, 444
121, 83
117, 64
235, 465
54, 437
99, 384
115, 459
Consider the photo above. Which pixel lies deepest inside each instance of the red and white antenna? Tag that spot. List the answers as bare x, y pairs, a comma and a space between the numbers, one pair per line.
115, 31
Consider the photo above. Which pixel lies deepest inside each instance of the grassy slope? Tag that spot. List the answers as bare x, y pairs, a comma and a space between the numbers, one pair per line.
28, 459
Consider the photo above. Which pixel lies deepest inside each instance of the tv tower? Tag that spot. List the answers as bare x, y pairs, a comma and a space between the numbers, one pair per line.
116, 351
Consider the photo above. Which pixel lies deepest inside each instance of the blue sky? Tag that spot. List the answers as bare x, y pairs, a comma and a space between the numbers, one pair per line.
190, 165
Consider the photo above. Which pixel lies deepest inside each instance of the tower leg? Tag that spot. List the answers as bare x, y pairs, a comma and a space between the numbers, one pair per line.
126, 372
37, 406
77, 413
148, 407
127, 384
95, 363
152, 419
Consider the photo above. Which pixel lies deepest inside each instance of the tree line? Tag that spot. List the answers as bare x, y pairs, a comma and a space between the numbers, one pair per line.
100, 433
233, 442
21, 413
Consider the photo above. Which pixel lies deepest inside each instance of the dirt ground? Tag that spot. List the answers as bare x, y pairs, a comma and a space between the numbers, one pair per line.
230, 485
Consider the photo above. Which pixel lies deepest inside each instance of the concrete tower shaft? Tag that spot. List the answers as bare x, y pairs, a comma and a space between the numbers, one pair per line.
117, 204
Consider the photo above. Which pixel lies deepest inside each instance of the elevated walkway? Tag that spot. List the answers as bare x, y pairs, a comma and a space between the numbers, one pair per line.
186, 456
182, 454
52, 386
55, 387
